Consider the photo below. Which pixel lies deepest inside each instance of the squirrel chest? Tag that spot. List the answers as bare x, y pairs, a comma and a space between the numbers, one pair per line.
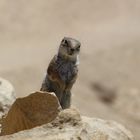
63, 71
67, 71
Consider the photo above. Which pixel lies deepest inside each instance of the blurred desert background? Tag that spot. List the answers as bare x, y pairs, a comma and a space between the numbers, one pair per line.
109, 31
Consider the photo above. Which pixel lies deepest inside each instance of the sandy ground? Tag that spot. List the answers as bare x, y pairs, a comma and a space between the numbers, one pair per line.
30, 33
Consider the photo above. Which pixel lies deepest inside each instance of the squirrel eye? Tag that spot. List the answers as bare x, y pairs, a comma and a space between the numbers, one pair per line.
78, 48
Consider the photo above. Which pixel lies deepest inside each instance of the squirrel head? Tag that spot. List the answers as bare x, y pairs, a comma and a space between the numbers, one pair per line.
69, 47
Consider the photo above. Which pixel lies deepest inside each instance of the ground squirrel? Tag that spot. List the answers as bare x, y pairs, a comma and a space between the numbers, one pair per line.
62, 71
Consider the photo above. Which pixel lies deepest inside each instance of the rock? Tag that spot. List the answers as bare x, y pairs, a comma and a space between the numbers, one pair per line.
67, 116
7, 96
70, 126
36, 109
108, 130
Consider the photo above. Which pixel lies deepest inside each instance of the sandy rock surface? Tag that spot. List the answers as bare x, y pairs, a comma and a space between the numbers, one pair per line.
70, 126
36, 109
